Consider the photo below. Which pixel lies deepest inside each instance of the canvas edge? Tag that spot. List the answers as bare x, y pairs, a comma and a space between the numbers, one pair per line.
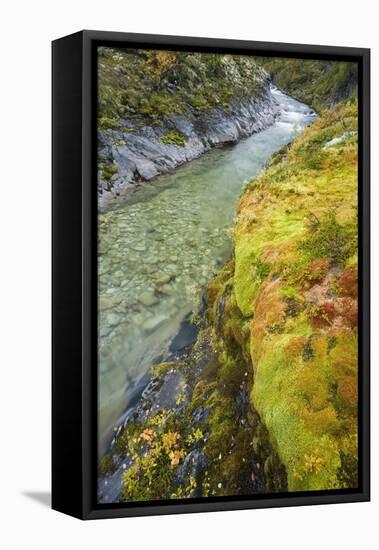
86, 509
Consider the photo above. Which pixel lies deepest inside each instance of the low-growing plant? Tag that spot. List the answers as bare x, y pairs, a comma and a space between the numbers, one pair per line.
156, 454
106, 465
330, 240
260, 269
174, 137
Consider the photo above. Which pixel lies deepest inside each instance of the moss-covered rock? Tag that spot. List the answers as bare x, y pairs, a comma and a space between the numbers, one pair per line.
295, 281
174, 137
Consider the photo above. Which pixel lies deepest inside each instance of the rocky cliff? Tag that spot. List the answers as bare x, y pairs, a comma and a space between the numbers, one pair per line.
160, 109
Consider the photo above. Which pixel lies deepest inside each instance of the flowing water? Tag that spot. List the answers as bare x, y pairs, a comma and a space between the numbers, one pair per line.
160, 246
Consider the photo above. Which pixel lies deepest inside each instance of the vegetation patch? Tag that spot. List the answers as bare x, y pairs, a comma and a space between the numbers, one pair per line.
153, 84
295, 277
329, 239
321, 84
174, 137
107, 172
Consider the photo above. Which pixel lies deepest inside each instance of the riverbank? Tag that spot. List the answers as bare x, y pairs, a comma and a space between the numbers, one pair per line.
141, 155
199, 102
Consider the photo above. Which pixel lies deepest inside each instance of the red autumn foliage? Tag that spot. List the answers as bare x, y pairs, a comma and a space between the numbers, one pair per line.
317, 270
348, 309
347, 389
323, 315
348, 282
328, 310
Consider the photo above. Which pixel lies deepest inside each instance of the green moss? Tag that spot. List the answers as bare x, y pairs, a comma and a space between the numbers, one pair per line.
296, 222
230, 442
198, 101
108, 171
157, 105
106, 465
157, 447
248, 276
294, 392
162, 368
174, 137
222, 427
329, 239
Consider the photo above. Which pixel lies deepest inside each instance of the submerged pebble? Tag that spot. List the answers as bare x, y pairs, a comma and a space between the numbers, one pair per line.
148, 298
152, 324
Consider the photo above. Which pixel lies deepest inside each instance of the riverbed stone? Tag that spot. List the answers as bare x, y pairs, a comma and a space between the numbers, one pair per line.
148, 298
153, 323
104, 331
164, 279
105, 303
113, 319
138, 247
165, 289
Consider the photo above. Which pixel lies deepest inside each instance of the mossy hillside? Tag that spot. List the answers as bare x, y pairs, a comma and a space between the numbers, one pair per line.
283, 201
321, 84
174, 137
153, 84
294, 282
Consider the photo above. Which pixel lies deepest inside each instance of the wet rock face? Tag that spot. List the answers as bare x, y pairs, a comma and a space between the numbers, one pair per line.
185, 337
142, 152
193, 466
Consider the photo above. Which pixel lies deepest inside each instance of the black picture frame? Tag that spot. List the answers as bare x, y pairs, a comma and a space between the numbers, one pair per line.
74, 295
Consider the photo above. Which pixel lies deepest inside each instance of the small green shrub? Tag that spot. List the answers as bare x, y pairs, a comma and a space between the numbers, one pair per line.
261, 270
106, 465
108, 171
329, 239
155, 454
174, 137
